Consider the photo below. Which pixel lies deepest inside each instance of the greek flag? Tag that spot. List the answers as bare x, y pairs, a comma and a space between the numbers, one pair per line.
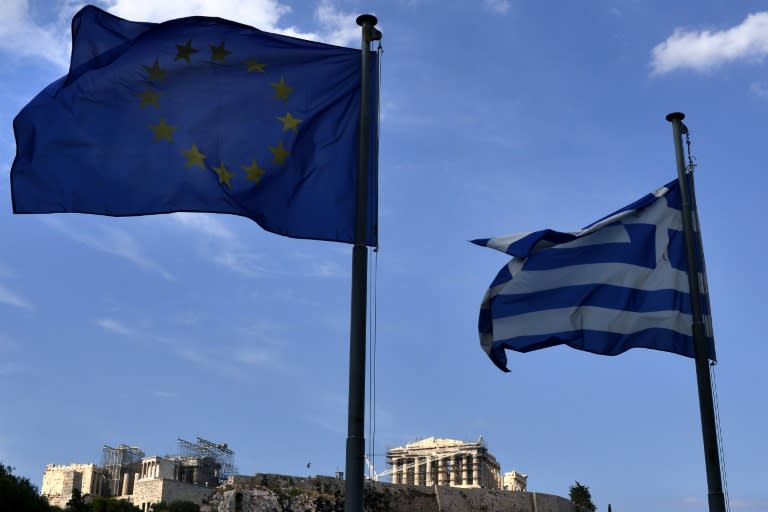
619, 283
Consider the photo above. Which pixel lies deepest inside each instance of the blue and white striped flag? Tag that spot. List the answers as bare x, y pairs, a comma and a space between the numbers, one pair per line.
619, 283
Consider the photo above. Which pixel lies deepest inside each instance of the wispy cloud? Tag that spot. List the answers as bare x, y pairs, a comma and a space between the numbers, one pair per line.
328, 411
52, 37
6, 343
110, 240
337, 27
204, 223
760, 89
498, 6
5, 271
116, 327
327, 269
254, 356
11, 298
243, 262
704, 50
313, 267
9, 368
759, 505
164, 394
223, 247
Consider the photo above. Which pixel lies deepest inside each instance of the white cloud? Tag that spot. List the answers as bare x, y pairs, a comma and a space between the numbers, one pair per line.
339, 28
498, 6
116, 327
111, 240
22, 36
264, 14
12, 299
705, 50
336, 27
52, 38
205, 223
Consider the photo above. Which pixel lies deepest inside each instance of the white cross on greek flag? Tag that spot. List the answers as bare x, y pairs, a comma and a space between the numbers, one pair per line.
619, 283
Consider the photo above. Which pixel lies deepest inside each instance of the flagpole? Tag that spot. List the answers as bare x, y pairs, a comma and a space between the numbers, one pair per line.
353, 490
706, 404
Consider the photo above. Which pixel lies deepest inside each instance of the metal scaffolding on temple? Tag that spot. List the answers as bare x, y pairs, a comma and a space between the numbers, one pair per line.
203, 448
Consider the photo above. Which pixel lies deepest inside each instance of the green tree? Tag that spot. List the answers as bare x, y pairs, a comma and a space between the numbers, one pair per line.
17, 493
77, 502
580, 495
111, 505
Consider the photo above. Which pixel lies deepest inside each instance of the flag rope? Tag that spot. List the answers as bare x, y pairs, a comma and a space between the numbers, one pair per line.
373, 309
720, 435
705, 282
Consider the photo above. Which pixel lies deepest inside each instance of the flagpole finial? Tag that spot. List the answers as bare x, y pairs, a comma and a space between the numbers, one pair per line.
367, 19
675, 115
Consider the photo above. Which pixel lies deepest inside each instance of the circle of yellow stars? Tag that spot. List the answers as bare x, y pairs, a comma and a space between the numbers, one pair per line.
193, 157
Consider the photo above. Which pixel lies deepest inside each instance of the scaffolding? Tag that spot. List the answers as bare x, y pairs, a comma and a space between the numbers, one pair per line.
220, 453
116, 463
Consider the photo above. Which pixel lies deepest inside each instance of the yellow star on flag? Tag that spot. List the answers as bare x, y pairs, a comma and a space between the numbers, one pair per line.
254, 172
289, 122
279, 154
219, 53
254, 65
163, 131
281, 90
155, 72
185, 51
194, 157
150, 97
224, 175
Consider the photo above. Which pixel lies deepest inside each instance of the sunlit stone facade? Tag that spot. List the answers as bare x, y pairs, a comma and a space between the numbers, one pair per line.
446, 462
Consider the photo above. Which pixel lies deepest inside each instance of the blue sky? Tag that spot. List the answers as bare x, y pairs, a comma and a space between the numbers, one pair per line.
496, 116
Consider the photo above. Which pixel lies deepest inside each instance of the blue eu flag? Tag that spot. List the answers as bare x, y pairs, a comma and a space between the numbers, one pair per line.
203, 115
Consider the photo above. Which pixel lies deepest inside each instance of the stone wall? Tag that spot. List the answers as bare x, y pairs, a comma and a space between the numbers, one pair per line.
149, 491
282, 493
59, 480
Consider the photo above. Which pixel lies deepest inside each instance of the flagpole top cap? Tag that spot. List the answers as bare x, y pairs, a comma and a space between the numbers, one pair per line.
679, 116
367, 19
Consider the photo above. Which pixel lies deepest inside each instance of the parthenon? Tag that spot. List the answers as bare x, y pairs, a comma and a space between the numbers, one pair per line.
446, 462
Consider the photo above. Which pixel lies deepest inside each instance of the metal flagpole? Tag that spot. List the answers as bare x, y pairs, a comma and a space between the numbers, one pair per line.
353, 490
706, 404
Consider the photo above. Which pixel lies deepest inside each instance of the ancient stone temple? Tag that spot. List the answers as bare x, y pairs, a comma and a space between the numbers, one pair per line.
126, 473
446, 462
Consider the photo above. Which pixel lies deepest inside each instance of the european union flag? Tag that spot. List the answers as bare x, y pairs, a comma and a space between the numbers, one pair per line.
199, 114
620, 283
